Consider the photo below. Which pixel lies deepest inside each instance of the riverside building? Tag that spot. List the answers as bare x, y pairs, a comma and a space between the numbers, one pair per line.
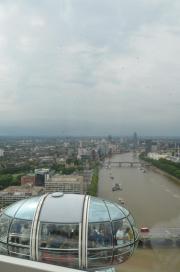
65, 183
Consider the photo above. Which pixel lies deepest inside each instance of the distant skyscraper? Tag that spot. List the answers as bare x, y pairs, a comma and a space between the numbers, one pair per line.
135, 139
1, 152
148, 146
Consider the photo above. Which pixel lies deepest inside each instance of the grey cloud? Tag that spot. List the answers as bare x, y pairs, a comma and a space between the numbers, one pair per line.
96, 66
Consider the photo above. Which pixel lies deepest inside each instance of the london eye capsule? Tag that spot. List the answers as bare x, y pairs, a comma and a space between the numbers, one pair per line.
70, 230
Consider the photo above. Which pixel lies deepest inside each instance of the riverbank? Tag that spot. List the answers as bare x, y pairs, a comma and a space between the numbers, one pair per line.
93, 187
150, 198
165, 174
164, 167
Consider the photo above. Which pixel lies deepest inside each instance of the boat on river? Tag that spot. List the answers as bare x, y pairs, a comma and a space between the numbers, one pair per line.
144, 229
121, 201
117, 187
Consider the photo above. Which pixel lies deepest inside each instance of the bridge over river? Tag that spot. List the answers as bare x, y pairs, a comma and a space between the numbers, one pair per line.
154, 201
128, 164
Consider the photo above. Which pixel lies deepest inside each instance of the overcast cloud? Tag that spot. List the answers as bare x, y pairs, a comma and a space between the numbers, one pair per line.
90, 67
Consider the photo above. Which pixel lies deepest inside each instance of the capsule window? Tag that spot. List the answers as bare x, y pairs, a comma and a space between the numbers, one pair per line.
19, 239
64, 236
99, 235
20, 232
4, 227
59, 244
122, 233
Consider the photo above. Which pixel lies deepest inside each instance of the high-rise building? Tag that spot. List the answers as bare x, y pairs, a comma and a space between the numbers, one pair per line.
135, 139
41, 175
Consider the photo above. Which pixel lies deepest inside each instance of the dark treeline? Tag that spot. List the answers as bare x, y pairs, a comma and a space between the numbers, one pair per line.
9, 180
11, 176
167, 166
93, 187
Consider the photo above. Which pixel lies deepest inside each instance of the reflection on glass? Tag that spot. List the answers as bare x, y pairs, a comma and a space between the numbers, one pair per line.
17, 251
27, 210
11, 210
99, 235
131, 220
123, 233
3, 249
126, 212
58, 244
110, 235
98, 211
99, 258
122, 254
65, 236
20, 232
117, 236
60, 257
4, 227
115, 212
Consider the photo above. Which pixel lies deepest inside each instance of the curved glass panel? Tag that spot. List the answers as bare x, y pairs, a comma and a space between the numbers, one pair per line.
19, 251
28, 208
20, 231
70, 211
59, 257
100, 244
125, 211
132, 222
59, 244
62, 236
115, 212
99, 235
11, 210
4, 227
122, 233
98, 211
99, 258
3, 249
19, 239
111, 234
122, 254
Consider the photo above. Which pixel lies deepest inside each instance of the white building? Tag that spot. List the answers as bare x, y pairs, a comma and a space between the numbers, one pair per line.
82, 152
157, 156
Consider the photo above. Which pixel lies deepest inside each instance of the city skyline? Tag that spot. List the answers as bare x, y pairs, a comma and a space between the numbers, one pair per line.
93, 68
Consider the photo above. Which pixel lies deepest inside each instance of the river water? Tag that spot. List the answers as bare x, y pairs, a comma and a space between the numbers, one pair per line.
153, 199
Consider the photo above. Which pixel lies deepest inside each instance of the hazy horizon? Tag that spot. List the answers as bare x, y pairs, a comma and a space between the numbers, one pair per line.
12, 134
89, 67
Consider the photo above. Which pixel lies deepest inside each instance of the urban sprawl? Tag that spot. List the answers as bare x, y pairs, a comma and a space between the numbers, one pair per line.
35, 165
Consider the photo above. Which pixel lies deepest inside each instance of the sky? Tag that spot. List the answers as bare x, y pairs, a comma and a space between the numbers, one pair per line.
90, 67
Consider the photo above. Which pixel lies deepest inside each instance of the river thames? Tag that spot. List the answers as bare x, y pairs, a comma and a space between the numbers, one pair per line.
154, 201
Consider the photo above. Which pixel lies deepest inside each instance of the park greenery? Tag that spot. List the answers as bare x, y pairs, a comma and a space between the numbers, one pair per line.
11, 176
93, 187
9, 180
167, 166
